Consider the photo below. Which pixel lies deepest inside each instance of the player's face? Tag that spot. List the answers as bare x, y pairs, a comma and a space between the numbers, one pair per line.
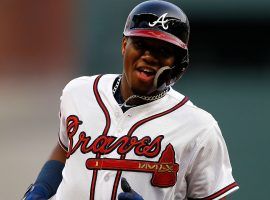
142, 58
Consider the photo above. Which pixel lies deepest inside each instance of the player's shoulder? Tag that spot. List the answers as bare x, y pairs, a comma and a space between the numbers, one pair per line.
78, 82
85, 81
195, 113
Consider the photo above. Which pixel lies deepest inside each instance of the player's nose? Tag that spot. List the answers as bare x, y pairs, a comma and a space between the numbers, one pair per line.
150, 57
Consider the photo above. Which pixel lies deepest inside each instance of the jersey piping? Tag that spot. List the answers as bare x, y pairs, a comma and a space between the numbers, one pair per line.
130, 132
61, 144
105, 131
221, 193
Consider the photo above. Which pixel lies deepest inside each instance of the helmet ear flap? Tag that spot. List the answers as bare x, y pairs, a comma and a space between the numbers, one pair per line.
167, 76
162, 78
180, 68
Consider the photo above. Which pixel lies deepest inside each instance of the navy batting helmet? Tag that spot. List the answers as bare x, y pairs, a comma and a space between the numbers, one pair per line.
164, 21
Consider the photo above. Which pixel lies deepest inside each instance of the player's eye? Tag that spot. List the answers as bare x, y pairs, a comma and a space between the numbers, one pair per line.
163, 52
138, 44
166, 52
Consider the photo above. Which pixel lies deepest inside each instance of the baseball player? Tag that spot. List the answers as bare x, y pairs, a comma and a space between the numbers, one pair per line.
132, 136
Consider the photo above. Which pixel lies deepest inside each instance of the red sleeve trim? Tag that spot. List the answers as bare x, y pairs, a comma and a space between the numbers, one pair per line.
62, 145
219, 193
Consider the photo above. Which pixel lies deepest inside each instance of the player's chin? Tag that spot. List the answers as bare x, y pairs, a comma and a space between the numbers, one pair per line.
143, 89
142, 86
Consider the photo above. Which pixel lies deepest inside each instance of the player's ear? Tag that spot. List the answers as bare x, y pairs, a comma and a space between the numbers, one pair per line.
124, 44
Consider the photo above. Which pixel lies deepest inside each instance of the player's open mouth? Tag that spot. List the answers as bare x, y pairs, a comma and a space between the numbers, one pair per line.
147, 71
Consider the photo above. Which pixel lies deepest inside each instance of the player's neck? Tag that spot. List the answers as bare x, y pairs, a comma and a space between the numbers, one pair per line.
129, 99
124, 89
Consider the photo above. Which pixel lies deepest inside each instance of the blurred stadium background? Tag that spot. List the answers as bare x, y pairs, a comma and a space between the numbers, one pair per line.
44, 44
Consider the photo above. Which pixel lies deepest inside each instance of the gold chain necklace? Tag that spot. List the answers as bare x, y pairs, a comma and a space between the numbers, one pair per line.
146, 98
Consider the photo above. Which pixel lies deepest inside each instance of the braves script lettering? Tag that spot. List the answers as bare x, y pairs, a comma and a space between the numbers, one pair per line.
106, 144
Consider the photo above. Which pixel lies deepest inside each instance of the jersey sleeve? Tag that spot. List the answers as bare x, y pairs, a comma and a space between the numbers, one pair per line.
66, 103
210, 174
62, 137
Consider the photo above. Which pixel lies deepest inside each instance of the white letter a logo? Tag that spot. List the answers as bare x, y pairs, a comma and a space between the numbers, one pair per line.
161, 20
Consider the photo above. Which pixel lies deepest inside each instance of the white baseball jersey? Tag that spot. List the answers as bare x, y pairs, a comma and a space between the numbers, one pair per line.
167, 149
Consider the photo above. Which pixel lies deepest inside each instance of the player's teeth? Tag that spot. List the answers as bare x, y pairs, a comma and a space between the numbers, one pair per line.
147, 70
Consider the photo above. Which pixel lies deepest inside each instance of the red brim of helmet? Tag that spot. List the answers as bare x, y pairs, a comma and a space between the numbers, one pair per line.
156, 35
